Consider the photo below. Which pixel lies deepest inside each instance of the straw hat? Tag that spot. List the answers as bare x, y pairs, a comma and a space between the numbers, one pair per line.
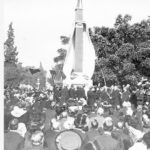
68, 140
17, 112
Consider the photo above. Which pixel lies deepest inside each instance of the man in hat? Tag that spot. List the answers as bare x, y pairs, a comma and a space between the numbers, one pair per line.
50, 139
93, 132
49, 114
72, 92
126, 93
34, 141
105, 141
144, 144
91, 96
119, 133
57, 93
12, 138
64, 94
115, 97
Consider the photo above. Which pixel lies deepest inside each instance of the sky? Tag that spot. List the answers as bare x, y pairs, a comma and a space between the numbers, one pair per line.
38, 24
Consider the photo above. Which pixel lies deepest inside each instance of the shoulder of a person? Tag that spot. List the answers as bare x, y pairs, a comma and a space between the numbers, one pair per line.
138, 146
14, 135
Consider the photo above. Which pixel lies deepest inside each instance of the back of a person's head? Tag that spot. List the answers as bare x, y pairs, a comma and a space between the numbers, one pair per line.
108, 124
94, 124
13, 124
146, 139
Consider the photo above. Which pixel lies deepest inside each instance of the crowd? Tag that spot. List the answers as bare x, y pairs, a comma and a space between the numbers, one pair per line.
72, 118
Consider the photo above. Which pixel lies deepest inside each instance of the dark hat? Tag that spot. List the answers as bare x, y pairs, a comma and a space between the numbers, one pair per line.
37, 138
94, 124
13, 124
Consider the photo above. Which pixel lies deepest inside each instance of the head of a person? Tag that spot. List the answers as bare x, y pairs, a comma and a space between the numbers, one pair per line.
108, 124
94, 124
13, 124
37, 138
120, 125
100, 111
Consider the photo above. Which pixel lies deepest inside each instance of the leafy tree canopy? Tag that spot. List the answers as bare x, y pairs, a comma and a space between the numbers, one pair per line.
123, 52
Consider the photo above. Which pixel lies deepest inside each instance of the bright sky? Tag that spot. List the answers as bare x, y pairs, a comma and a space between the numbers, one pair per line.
38, 24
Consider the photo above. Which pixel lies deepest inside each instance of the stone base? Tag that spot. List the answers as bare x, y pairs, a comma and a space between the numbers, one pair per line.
79, 80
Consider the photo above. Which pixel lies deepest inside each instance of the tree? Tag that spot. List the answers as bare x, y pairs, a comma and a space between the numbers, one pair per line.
10, 52
11, 72
123, 52
58, 75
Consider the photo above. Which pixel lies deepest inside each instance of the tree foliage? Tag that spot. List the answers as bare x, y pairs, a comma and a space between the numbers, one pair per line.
58, 74
14, 72
123, 52
10, 51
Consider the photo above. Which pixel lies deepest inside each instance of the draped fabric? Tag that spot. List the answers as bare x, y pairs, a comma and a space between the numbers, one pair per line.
88, 56
69, 60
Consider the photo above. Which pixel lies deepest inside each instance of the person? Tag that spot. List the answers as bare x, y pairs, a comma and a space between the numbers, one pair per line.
72, 92
49, 114
119, 133
115, 97
57, 93
34, 141
144, 144
91, 97
64, 94
12, 138
80, 93
125, 96
93, 132
50, 139
104, 141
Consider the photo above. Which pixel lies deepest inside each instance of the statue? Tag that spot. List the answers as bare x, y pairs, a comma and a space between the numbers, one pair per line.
79, 63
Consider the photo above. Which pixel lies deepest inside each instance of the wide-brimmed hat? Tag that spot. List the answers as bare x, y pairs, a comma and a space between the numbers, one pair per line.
68, 140
17, 112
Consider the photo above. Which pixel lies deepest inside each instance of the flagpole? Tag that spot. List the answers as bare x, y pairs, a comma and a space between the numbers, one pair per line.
103, 77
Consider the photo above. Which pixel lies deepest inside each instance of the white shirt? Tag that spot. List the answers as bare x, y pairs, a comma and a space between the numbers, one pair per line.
21, 129
138, 146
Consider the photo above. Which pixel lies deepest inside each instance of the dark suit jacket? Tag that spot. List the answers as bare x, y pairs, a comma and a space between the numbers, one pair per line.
12, 140
50, 139
106, 142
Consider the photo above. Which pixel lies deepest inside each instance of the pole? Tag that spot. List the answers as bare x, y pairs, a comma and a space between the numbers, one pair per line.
103, 77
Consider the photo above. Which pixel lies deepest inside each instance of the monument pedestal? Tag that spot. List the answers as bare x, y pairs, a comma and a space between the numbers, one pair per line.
78, 79
79, 63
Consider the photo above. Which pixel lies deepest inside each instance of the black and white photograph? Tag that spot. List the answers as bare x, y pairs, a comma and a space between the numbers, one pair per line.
75, 75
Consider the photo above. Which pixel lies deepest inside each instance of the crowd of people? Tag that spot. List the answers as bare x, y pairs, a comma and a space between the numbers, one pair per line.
74, 118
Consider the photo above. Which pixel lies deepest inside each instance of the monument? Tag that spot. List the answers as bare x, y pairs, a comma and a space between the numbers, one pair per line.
79, 63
